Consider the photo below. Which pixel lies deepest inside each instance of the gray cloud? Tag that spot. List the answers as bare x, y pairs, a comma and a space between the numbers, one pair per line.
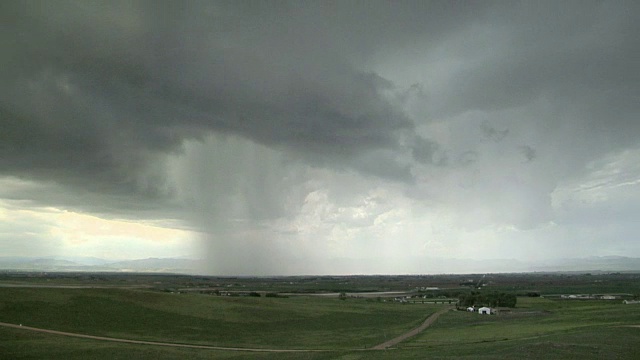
230, 114
427, 152
567, 54
528, 152
95, 92
492, 133
119, 83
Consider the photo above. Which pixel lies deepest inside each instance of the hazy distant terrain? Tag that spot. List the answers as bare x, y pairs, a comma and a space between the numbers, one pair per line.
169, 265
192, 266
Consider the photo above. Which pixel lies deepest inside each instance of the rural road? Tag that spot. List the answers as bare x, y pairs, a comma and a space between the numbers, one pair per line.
382, 346
142, 342
411, 333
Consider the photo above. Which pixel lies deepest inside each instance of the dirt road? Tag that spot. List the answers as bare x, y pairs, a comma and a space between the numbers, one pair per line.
382, 346
142, 342
411, 333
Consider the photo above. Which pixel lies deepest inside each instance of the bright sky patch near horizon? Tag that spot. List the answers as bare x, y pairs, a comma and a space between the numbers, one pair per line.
320, 137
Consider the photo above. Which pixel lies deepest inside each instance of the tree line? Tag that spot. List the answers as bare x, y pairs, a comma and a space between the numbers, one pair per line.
493, 299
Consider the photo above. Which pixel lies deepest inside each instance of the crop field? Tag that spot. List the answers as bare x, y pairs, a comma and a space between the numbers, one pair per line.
316, 327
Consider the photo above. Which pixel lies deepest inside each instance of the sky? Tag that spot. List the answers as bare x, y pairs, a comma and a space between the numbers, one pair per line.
320, 137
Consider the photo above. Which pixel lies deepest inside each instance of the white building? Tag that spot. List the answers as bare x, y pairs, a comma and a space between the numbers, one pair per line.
484, 310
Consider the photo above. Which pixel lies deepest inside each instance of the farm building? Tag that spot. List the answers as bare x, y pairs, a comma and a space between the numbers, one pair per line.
484, 310
471, 309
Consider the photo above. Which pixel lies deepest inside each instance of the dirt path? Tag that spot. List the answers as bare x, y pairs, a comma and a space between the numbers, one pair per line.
382, 346
411, 333
142, 342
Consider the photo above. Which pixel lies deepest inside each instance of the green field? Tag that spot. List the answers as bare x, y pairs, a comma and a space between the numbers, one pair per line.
538, 328
279, 323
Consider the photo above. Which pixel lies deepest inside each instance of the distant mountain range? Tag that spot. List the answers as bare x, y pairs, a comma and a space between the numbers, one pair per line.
191, 266
92, 264
595, 263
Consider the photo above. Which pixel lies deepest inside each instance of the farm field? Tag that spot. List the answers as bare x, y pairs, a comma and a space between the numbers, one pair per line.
538, 328
322, 327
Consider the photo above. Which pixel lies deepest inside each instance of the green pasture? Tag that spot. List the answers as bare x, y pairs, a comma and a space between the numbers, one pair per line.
289, 323
21, 345
538, 328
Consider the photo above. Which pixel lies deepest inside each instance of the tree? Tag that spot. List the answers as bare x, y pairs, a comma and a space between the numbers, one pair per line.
493, 299
501, 299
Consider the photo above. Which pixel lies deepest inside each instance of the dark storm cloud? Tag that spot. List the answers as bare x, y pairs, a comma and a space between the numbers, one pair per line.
93, 91
578, 56
93, 94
